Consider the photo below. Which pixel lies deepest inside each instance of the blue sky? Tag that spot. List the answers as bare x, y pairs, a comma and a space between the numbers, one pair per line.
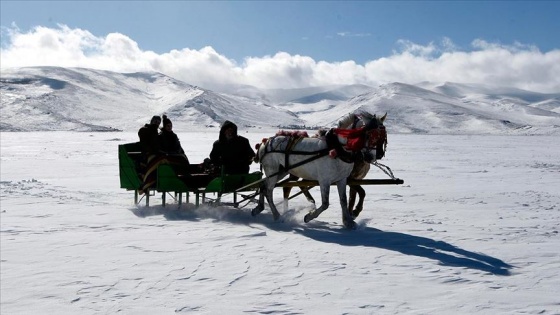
330, 31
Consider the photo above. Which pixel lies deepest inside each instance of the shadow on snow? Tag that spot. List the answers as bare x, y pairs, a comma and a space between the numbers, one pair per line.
445, 253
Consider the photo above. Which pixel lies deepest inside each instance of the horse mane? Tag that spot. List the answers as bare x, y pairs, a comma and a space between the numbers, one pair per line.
348, 120
367, 117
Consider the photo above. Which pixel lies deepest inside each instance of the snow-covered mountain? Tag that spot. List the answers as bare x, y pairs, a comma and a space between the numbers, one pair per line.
51, 98
413, 109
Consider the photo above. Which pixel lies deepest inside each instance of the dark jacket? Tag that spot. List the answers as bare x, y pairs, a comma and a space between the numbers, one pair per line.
234, 155
169, 142
149, 139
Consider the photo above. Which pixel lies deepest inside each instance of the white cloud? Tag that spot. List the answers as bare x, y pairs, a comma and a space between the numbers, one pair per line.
416, 49
350, 34
448, 45
516, 47
517, 65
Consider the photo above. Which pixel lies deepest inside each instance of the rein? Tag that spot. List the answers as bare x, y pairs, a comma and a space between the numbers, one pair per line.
318, 154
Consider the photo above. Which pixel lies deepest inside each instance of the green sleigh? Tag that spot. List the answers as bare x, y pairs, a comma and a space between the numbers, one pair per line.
169, 183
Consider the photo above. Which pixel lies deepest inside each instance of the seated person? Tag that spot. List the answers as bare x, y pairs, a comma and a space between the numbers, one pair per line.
168, 140
149, 141
161, 149
171, 146
152, 155
231, 151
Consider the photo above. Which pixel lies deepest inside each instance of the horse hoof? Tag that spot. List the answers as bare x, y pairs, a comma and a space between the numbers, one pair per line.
356, 213
307, 218
276, 217
256, 211
350, 224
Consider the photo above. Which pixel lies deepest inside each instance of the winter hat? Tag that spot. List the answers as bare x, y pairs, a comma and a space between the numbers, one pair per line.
227, 125
166, 120
154, 118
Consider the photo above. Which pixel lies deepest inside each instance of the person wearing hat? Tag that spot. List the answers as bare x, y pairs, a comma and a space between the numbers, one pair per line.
168, 140
171, 147
151, 153
148, 135
232, 151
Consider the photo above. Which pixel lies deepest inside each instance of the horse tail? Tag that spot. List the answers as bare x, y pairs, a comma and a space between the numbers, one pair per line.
260, 150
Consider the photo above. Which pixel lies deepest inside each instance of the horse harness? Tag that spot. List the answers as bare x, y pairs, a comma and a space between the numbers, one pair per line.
291, 143
357, 139
350, 154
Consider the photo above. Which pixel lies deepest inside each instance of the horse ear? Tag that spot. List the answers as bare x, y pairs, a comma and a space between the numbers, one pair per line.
383, 118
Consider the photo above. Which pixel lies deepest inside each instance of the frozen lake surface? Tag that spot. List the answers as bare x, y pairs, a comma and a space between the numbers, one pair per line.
473, 230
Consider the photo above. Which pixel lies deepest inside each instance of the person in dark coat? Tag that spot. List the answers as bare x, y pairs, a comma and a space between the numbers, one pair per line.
171, 147
152, 155
168, 140
232, 151
148, 135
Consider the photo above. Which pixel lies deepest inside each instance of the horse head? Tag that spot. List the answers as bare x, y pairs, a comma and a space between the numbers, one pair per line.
373, 130
376, 135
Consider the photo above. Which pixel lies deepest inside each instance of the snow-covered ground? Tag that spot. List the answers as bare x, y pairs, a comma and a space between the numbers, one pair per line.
474, 230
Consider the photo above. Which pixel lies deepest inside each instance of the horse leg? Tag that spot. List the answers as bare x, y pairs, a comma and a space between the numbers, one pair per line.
325, 190
307, 195
347, 219
266, 190
260, 205
275, 213
352, 198
286, 191
359, 207
304, 191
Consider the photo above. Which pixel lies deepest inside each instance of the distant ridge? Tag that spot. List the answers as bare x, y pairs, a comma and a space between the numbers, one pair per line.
53, 98
79, 99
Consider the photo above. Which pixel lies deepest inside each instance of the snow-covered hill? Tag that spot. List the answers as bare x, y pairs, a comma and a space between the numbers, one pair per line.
51, 98
449, 108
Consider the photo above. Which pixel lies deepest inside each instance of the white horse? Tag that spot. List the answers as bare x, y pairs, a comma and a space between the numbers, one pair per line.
360, 169
323, 160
